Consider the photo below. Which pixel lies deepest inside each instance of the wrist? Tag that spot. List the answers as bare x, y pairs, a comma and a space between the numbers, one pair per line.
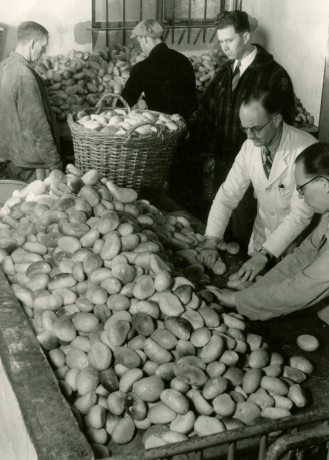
266, 254
212, 238
211, 242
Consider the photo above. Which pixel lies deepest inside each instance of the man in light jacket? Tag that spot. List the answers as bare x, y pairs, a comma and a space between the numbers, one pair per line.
301, 279
267, 160
28, 138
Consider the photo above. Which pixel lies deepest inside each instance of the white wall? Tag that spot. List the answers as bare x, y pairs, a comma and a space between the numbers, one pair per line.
296, 33
62, 18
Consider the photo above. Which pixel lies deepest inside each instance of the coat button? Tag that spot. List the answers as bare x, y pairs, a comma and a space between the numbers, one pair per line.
272, 213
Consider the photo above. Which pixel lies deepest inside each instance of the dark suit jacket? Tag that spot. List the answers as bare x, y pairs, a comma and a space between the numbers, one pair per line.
167, 79
217, 118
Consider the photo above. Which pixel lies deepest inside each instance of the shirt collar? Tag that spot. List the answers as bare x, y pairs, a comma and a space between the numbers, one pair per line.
19, 56
274, 145
245, 62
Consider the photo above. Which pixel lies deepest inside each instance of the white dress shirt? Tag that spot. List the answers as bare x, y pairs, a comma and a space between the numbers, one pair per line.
245, 62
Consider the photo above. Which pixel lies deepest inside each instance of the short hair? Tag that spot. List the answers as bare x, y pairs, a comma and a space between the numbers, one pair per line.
271, 101
30, 30
315, 159
238, 19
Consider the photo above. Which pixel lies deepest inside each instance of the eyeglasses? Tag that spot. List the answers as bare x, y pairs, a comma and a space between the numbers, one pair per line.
299, 188
256, 131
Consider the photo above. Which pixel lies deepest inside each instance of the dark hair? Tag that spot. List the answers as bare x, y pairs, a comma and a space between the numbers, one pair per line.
315, 159
271, 101
238, 19
30, 30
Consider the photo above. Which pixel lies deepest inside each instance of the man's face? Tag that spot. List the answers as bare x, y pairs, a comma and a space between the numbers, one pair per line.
315, 194
38, 47
233, 44
264, 126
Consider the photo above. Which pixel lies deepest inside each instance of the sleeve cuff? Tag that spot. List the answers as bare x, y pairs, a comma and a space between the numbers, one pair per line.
212, 238
274, 251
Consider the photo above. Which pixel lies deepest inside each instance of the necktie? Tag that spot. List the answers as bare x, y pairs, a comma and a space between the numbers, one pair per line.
268, 162
236, 75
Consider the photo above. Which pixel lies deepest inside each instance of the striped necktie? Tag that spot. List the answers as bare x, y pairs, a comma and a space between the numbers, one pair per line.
268, 162
236, 76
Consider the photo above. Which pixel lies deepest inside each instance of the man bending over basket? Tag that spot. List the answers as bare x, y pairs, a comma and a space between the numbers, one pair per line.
166, 76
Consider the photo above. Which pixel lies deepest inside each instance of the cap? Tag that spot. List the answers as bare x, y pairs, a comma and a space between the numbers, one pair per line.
148, 28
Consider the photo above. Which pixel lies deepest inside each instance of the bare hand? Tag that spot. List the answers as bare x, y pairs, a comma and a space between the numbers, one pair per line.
208, 252
226, 297
244, 285
208, 257
251, 268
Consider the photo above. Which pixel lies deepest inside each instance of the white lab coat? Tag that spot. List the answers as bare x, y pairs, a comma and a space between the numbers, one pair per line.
281, 215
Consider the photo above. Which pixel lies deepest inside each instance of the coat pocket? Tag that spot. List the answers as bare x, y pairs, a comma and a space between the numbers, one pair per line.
283, 195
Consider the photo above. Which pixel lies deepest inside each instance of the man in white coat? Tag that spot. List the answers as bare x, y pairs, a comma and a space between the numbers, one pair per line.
267, 160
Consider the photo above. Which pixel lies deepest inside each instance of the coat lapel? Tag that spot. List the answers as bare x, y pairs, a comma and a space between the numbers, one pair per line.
280, 163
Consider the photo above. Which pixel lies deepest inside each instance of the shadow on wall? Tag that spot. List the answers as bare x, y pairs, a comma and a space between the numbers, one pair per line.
82, 32
7, 40
260, 36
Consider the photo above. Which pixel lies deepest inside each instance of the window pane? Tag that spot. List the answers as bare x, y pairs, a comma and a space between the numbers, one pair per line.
116, 10
197, 9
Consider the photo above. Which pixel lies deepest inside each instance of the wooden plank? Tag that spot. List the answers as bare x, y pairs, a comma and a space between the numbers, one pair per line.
40, 408
15, 441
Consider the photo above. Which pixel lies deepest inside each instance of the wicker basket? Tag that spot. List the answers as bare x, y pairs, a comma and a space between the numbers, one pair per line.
140, 163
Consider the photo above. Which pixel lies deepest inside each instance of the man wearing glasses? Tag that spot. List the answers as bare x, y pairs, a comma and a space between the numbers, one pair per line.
266, 160
301, 279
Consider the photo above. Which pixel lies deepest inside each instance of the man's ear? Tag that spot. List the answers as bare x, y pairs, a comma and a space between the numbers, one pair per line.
33, 42
246, 37
278, 120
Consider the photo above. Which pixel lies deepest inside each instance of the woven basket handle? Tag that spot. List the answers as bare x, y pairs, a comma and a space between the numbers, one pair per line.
143, 123
106, 96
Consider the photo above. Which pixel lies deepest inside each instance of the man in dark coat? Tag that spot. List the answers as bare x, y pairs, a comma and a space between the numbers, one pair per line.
218, 113
166, 76
28, 139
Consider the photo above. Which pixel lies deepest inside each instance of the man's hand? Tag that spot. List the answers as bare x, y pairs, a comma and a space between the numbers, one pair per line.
226, 297
251, 268
209, 252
